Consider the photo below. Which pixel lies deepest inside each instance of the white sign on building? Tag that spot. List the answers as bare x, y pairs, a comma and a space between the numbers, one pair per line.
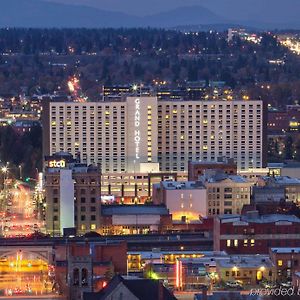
141, 132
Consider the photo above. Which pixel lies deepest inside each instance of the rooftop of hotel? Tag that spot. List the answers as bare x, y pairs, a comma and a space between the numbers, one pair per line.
133, 210
115, 98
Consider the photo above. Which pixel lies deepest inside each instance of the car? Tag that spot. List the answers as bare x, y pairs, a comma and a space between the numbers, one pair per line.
9, 292
234, 284
268, 285
28, 289
17, 291
286, 284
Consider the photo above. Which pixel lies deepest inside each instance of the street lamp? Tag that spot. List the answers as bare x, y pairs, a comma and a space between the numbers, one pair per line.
20, 170
4, 170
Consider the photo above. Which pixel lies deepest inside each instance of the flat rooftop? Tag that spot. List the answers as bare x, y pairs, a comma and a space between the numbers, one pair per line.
286, 250
245, 261
110, 210
178, 185
281, 180
236, 219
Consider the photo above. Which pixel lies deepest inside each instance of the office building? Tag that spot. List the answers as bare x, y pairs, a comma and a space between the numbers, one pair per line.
144, 134
72, 193
226, 194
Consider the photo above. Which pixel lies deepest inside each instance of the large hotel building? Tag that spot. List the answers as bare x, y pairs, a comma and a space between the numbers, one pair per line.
144, 134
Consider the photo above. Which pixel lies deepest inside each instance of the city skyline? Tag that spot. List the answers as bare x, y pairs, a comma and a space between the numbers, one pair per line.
149, 151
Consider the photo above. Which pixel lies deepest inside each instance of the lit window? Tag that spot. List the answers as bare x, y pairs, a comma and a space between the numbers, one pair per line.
228, 243
236, 243
93, 226
279, 263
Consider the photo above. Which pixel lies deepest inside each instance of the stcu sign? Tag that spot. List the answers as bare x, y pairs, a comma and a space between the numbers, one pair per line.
56, 164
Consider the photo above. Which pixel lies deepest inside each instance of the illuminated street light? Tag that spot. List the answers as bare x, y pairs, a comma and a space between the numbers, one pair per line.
4, 169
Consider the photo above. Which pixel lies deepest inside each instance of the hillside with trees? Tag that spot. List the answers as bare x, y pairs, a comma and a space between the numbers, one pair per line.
41, 61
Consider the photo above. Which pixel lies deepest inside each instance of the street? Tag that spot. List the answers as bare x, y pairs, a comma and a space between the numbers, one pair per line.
19, 211
22, 274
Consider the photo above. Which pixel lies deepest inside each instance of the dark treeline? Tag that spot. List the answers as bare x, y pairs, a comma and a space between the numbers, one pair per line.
21, 150
147, 41
42, 60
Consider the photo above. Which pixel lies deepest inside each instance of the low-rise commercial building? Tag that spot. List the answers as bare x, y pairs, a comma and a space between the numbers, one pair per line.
134, 187
252, 234
286, 261
249, 270
186, 201
137, 260
291, 186
134, 219
267, 194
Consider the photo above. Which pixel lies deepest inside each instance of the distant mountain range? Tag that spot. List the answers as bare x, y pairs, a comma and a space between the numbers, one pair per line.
38, 13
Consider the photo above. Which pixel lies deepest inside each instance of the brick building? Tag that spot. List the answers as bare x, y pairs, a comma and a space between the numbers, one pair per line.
78, 261
197, 168
72, 191
254, 234
286, 261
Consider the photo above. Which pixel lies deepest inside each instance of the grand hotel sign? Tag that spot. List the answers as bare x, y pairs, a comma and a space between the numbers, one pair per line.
137, 124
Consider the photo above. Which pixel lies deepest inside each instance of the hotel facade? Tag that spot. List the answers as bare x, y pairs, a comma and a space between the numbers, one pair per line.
144, 134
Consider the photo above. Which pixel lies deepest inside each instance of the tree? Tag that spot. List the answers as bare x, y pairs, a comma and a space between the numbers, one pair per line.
289, 147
